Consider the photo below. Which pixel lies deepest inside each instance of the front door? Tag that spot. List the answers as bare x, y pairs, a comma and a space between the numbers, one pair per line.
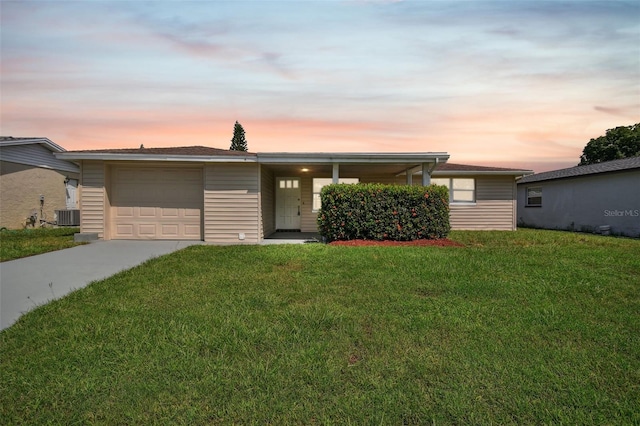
288, 203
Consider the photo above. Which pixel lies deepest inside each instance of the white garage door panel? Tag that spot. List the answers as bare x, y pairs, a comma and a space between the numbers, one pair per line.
156, 203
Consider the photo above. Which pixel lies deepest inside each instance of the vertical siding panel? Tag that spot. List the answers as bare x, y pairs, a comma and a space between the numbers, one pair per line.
267, 205
308, 220
231, 203
92, 198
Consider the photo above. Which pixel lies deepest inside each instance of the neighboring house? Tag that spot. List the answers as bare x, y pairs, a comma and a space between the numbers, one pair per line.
33, 182
229, 197
584, 198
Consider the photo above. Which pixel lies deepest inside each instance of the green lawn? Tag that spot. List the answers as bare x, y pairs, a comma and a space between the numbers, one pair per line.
526, 327
15, 244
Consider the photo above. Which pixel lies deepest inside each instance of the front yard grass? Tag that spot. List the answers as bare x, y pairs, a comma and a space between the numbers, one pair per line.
15, 244
526, 327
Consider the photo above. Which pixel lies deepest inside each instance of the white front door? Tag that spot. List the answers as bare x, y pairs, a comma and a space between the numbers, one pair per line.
288, 203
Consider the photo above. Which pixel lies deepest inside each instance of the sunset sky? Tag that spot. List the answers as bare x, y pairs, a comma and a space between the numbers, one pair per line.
503, 83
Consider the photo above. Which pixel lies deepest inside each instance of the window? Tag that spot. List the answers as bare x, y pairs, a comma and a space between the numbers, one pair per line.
289, 183
461, 190
534, 197
319, 183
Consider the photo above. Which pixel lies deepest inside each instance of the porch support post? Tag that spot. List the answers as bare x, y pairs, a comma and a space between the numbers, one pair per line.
409, 177
336, 173
426, 174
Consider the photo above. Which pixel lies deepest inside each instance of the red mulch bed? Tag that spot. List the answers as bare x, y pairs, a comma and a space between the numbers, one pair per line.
420, 243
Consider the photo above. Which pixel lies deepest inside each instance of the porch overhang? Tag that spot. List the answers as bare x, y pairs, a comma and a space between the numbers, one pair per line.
414, 158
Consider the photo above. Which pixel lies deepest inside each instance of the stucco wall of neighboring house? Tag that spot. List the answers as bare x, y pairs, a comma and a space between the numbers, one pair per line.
231, 203
20, 188
585, 203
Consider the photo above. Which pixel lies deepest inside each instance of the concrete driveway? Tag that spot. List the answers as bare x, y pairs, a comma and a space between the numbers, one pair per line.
33, 281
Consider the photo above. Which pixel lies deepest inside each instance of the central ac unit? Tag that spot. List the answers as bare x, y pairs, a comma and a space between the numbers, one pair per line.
68, 217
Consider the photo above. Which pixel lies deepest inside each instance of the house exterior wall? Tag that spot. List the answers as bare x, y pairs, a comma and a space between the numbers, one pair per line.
239, 201
585, 203
93, 203
308, 216
267, 202
231, 203
21, 186
494, 209
36, 155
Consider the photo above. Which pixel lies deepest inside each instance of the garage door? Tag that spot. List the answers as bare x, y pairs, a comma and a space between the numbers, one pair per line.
156, 203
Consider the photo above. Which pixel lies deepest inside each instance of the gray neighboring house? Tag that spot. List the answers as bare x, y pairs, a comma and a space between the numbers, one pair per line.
603, 197
35, 186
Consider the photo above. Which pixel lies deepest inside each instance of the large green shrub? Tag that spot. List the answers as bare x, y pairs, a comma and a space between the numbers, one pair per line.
383, 212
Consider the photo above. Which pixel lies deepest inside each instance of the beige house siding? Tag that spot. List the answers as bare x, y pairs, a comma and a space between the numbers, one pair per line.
495, 206
93, 198
308, 216
239, 201
267, 202
231, 203
20, 188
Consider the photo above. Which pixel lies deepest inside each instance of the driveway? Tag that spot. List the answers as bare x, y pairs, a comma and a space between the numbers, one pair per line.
33, 281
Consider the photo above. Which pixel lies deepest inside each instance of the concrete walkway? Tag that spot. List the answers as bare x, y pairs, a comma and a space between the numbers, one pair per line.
292, 238
32, 281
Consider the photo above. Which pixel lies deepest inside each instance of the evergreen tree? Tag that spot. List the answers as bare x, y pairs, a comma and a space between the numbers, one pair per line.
238, 143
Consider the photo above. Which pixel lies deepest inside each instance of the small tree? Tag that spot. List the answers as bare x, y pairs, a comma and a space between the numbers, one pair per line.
238, 143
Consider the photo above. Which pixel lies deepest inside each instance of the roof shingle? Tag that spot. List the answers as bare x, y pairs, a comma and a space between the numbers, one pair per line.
452, 167
180, 150
591, 169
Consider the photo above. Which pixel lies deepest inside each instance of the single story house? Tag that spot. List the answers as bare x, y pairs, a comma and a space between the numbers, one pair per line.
603, 197
233, 197
34, 184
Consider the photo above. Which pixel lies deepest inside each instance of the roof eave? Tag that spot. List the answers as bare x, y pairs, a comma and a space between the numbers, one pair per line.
536, 179
484, 172
52, 146
353, 158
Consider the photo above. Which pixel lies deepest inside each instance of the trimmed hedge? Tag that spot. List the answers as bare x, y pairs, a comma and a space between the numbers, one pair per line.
383, 212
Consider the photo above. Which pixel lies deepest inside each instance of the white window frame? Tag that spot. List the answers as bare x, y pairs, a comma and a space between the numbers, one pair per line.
528, 201
449, 183
315, 196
